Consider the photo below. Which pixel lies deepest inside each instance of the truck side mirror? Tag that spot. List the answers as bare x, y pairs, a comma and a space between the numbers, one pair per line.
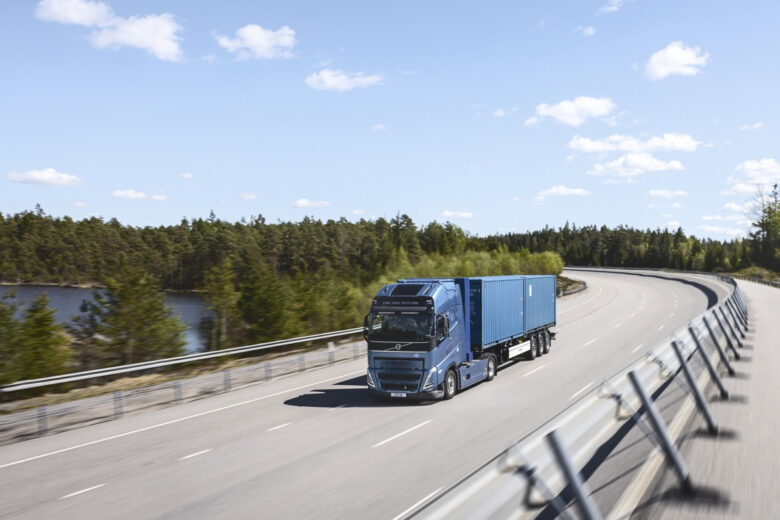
442, 330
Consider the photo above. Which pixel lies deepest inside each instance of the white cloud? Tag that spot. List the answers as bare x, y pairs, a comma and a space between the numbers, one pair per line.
79, 204
499, 112
158, 34
611, 6
379, 127
677, 205
333, 79
719, 218
733, 206
531, 121
586, 31
633, 164
186, 175
754, 126
457, 214
667, 194
673, 225
253, 41
357, 212
128, 194
79, 12
559, 191
624, 143
306, 203
574, 112
248, 195
676, 58
47, 176
161, 198
718, 230
756, 175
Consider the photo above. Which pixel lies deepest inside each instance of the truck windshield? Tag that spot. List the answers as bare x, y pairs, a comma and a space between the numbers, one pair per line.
399, 326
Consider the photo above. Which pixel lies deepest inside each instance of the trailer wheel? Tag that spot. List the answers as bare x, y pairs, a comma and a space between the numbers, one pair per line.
546, 340
491, 367
450, 384
532, 351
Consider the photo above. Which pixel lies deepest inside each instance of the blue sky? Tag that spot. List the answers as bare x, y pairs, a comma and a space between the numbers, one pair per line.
496, 116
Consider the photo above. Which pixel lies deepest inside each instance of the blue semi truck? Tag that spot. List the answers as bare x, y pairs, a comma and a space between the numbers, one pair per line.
428, 338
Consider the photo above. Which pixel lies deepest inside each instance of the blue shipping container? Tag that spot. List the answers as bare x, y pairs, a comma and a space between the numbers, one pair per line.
539, 301
496, 312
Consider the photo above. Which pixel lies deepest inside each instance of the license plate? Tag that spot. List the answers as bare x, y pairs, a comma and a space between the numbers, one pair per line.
397, 394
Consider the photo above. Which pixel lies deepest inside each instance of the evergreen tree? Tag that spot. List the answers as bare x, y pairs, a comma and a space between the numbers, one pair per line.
43, 346
9, 336
219, 288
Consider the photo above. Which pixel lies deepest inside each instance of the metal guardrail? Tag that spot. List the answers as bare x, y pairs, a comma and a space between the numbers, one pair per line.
61, 417
757, 280
539, 471
180, 360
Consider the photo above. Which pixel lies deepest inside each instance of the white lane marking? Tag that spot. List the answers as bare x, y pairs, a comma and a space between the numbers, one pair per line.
578, 392
534, 370
402, 433
632, 315
618, 325
82, 491
337, 407
671, 315
564, 311
278, 427
181, 419
661, 327
589, 342
195, 454
637, 348
409, 510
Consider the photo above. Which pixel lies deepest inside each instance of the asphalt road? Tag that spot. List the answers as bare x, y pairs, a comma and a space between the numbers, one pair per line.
314, 445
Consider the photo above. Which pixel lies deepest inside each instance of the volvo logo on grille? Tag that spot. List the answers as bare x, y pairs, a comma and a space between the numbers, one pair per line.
397, 346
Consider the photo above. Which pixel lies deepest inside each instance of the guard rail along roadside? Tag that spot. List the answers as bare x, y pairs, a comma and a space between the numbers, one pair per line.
540, 473
180, 360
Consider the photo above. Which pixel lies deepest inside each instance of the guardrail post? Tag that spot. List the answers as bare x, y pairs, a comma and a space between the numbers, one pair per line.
740, 305
697, 395
723, 357
726, 335
331, 352
588, 508
228, 383
724, 394
672, 455
119, 405
355, 351
726, 319
177, 392
737, 323
43, 420
268, 370
738, 318
301, 363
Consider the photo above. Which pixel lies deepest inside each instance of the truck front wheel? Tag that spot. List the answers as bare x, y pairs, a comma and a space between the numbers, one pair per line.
450, 384
491, 367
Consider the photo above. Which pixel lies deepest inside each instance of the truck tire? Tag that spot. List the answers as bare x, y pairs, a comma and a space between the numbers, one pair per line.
450, 384
540, 344
546, 341
532, 351
491, 367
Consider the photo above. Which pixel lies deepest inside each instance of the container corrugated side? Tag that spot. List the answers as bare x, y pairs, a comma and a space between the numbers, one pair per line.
496, 309
539, 301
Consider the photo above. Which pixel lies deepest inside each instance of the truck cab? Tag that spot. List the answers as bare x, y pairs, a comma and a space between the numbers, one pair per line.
419, 340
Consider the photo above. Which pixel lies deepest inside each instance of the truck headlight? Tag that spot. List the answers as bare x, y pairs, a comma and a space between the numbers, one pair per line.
370, 380
428, 384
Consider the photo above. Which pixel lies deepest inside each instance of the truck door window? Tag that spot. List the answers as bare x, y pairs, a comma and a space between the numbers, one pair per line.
441, 327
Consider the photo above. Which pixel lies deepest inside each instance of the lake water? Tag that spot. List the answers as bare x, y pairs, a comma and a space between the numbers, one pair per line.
66, 301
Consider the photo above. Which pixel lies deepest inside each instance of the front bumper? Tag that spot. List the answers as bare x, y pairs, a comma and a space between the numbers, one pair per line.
410, 396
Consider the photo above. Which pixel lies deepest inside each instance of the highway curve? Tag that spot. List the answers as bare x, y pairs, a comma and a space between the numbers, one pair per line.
314, 445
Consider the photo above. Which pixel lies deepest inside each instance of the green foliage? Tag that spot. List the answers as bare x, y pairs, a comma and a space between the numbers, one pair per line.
226, 330
9, 334
132, 323
42, 348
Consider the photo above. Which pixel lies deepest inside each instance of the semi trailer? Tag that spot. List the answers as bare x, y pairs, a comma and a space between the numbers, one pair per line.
429, 338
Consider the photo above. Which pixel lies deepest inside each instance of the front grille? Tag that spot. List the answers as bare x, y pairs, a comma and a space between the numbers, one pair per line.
400, 386
398, 377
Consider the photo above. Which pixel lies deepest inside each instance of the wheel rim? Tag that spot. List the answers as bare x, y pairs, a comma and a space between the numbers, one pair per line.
491, 368
450, 384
